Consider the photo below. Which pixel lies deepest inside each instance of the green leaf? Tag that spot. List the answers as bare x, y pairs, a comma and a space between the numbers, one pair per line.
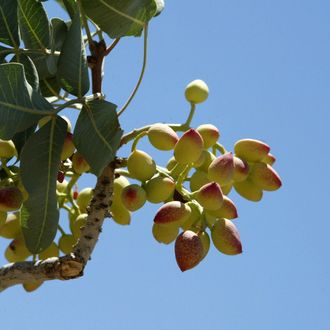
119, 18
8, 23
97, 134
20, 105
20, 138
59, 30
40, 161
49, 87
35, 31
72, 65
31, 73
34, 24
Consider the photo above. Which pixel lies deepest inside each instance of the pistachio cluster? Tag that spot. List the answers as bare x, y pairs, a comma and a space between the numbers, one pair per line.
194, 186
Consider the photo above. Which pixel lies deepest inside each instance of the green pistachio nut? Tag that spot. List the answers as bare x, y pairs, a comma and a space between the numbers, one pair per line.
141, 165
221, 170
225, 237
162, 137
209, 133
196, 91
248, 190
189, 147
251, 150
159, 189
165, 234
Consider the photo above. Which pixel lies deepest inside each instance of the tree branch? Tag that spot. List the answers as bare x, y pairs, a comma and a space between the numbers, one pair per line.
69, 266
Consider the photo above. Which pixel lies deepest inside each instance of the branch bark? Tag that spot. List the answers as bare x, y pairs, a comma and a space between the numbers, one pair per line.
69, 266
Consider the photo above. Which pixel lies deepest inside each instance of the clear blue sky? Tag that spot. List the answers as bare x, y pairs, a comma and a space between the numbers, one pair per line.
267, 64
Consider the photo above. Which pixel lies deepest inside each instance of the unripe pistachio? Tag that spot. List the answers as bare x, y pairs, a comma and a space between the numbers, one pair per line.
32, 286
221, 170
164, 234
206, 242
200, 161
162, 136
11, 199
66, 243
120, 214
226, 189
172, 212
84, 198
159, 189
269, 159
7, 149
133, 197
175, 168
141, 165
265, 177
251, 150
17, 251
3, 217
198, 179
209, 196
44, 120
241, 170
118, 185
194, 218
196, 91
188, 250
77, 224
228, 210
68, 147
248, 190
51, 251
79, 163
208, 158
209, 133
226, 238
189, 147
11, 228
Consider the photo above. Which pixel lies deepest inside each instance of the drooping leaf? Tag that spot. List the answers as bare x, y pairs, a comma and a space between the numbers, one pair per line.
59, 30
119, 18
35, 31
49, 87
20, 138
40, 161
20, 105
97, 134
31, 73
72, 65
8, 23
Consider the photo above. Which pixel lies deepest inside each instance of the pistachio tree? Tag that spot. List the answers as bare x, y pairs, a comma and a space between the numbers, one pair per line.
48, 65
